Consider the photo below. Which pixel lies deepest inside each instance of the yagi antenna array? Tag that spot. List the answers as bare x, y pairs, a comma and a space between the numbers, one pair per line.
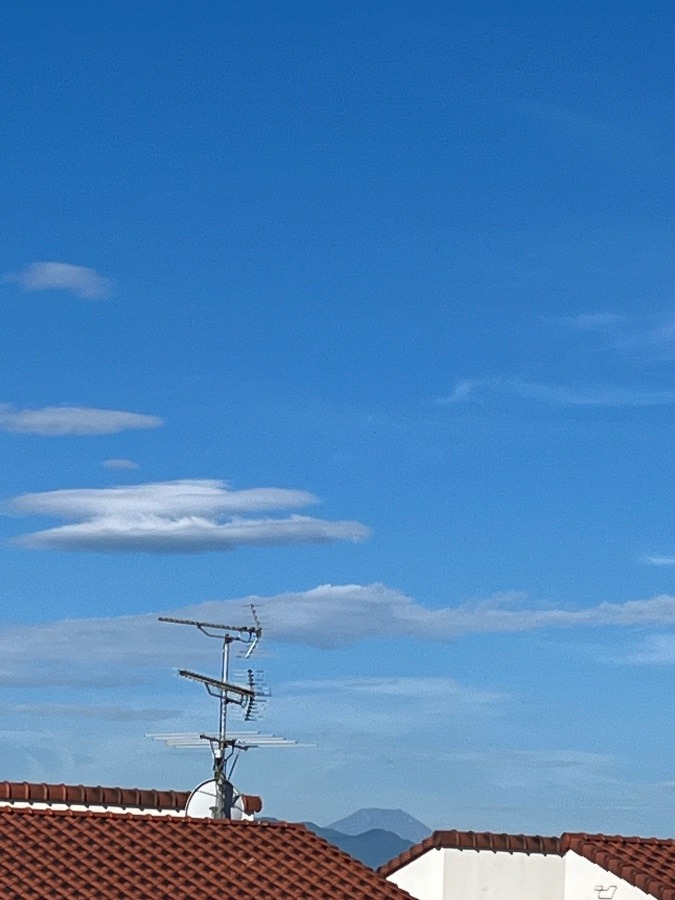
226, 746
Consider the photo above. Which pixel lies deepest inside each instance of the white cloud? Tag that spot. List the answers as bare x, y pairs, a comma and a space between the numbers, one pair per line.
603, 322
57, 421
352, 706
328, 616
650, 335
119, 464
560, 395
57, 276
393, 689
655, 649
656, 559
177, 517
333, 615
114, 713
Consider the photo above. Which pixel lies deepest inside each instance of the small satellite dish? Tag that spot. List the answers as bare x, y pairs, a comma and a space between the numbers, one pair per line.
202, 803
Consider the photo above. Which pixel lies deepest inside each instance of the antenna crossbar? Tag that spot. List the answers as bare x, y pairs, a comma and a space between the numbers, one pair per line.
243, 629
239, 739
224, 687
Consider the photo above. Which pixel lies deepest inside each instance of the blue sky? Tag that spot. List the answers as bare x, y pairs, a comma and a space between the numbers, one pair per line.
363, 310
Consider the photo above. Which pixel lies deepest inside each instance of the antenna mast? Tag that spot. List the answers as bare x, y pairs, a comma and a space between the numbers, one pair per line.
245, 696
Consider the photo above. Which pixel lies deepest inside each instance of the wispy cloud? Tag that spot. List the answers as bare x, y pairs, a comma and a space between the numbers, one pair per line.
655, 649
602, 322
395, 688
188, 516
57, 421
82, 281
659, 560
101, 712
332, 615
328, 616
650, 334
558, 395
58, 276
379, 706
119, 464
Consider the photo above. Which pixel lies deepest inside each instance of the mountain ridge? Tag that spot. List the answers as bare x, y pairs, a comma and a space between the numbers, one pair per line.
394, 821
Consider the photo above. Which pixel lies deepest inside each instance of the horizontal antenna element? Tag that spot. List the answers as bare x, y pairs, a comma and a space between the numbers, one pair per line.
223, 687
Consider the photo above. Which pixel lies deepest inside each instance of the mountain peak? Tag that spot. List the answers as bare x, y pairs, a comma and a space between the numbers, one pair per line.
397, 821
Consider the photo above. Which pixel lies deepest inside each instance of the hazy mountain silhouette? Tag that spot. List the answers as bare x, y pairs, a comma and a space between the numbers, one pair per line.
372, 836
373, 847
393, 820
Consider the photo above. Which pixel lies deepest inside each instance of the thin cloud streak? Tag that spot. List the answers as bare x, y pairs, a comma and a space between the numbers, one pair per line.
655, 650
557, 395
176, 517
649, 334
398, 688
88, 711
659, 560
81, 281
60, 421
603, 322
119, 464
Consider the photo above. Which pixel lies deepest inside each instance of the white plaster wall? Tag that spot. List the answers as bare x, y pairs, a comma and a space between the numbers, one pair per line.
484, 875
423, 877
451, 874
583, 878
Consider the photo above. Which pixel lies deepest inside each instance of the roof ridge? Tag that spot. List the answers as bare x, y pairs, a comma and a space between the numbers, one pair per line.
99, 795
475, 840
655, 875
623, 838
9, 810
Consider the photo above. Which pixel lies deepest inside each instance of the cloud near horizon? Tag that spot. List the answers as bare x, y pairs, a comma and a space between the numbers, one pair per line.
58, 276
187, 516
60, 421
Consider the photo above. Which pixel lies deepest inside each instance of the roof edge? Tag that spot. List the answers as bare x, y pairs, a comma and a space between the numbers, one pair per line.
474, 840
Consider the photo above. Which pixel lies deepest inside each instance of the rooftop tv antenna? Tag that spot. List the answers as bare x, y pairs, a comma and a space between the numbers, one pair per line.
226, 746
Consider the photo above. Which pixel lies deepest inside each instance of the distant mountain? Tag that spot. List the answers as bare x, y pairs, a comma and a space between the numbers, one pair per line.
396, 821
373, 847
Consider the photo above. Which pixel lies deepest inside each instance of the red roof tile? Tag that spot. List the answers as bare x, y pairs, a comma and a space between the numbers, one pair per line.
473, 840
66, 855
81, 795
646, 863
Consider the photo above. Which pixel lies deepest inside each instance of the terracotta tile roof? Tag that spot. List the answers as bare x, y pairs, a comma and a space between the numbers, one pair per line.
473, 840
81, 795
646, 863
66, 855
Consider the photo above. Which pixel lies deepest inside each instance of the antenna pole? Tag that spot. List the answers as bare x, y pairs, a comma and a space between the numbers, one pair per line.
223, 786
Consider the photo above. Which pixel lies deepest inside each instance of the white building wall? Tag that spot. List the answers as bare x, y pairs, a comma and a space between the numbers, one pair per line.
486, 875
452, 874
585, 880
423, 877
